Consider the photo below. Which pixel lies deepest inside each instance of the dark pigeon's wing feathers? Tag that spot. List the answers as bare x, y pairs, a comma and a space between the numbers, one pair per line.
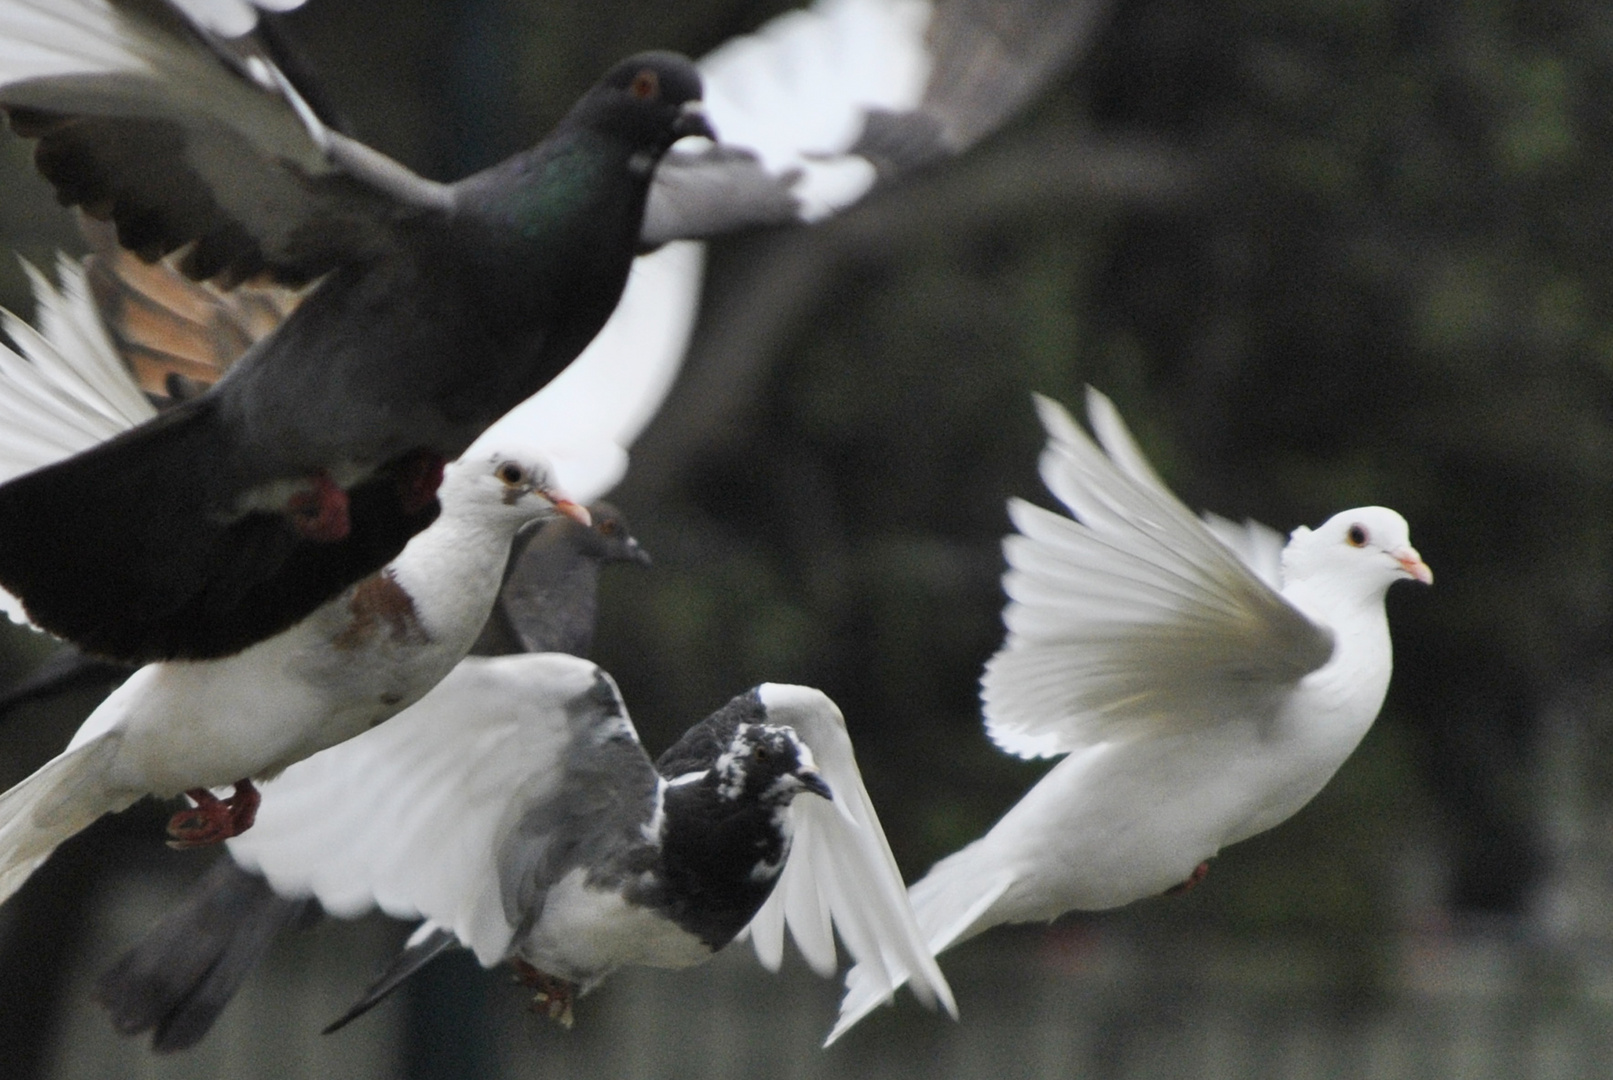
182, 137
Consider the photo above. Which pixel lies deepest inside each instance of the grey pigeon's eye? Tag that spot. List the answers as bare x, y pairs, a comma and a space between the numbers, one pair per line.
609, 527
511, 473
646, 85
1357, 536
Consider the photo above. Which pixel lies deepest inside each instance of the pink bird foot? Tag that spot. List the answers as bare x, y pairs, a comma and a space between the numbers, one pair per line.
320, 514
213, 819
1200, 872
554, 996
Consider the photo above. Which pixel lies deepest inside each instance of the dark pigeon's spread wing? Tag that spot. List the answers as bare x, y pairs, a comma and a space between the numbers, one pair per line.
187, 138
821, 105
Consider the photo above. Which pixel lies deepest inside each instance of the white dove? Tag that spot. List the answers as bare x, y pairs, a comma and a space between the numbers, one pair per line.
1197, 703
378, 647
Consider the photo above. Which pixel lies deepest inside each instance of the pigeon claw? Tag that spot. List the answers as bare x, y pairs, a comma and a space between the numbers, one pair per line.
554, 996
419, 477
320, 514
1182, 888
213, 819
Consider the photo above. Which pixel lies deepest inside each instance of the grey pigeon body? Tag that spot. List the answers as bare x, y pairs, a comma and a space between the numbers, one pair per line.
312, 461
515, 810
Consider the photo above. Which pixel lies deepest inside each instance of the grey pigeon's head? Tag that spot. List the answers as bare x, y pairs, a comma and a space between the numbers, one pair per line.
506, 485
652, 99
608, 539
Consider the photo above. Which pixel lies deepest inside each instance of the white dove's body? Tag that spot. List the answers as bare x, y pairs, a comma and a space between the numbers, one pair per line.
357, 660
1197, 701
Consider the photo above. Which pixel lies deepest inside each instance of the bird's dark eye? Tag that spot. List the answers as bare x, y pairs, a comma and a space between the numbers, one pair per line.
609, 528
646, 85
1357, 536
510, 473
763, 754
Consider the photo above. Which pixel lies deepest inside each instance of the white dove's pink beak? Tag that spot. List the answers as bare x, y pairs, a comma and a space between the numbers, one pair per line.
1412, 563
574, 510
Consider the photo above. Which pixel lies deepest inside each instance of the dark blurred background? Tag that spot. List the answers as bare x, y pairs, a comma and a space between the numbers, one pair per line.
1321, 253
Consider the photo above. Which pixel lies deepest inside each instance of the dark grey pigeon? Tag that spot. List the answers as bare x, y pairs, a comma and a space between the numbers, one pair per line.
310, 464
576, 856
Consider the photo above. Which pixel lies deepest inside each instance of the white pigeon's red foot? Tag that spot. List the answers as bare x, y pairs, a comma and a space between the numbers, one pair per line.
554, 996
1200, 872
320, 513
213, 819
419, 476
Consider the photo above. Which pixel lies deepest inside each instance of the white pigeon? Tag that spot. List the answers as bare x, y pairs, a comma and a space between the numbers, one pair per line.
1196, 704
514, 810
378, 647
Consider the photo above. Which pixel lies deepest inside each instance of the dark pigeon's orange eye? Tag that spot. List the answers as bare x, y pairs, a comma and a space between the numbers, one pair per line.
645, 85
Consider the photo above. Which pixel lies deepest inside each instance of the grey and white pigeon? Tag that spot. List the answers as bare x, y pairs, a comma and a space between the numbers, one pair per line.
439, 307
1195, 702
378, 647
514, 810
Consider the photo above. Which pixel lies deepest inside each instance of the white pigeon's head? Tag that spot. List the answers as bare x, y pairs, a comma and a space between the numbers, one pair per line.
1361, 551
510, 484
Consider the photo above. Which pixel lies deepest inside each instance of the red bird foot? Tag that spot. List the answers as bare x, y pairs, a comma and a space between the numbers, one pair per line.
419, 477
213, 819
1200, 872
554, 996
320, 514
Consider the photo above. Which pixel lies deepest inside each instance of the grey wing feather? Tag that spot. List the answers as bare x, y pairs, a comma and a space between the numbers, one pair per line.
410, 959
182, 974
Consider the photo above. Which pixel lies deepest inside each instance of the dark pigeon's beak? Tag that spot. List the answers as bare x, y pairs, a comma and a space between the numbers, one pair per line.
692, 121
813, 781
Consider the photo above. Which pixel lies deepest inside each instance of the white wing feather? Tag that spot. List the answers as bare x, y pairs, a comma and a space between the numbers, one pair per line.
1120, 618
404, 818
841, 873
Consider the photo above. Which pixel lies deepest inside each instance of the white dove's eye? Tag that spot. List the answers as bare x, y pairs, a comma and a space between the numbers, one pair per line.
510, 473
1357, 536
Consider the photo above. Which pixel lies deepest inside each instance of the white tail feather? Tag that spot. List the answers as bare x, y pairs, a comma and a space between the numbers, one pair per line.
950, 904
63, 796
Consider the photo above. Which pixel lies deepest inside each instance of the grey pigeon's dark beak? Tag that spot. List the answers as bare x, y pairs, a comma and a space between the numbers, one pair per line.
813, 781
692, 121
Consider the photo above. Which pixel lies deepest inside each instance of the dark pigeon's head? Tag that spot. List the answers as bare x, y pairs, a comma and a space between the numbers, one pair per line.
652, 98
767, 764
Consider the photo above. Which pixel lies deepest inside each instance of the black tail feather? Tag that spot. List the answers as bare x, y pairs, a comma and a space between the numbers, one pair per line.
131, 551
176, 981
405, 964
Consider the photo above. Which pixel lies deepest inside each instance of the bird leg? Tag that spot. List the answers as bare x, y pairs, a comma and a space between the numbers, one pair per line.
554, 996
320, 513
213, 819
1200, 872
419, 475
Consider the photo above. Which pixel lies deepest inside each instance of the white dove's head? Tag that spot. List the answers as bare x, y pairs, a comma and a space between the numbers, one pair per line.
511, 484
1364, 551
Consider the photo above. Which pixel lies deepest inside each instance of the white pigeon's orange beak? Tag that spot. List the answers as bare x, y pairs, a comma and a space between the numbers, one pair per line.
1412, 563
574, 510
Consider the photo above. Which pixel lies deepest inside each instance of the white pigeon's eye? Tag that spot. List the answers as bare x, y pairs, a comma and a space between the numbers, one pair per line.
1357, 536
511, 473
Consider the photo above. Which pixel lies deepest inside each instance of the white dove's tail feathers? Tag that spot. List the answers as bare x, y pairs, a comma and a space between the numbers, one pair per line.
950, 905
62, 797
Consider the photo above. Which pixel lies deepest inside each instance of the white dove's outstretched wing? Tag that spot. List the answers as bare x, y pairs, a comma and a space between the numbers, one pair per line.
1132, 615
840, 875
406, 817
